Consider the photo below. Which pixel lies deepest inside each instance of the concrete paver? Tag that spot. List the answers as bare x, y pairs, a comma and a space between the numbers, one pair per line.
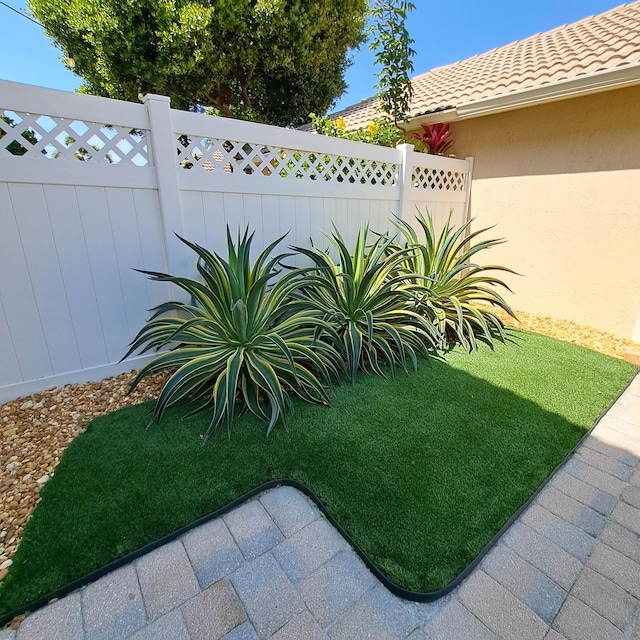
622, 443
418, 634
302, 626
335, 586
605, 462
166, 579
594, 477
253, 529
500, 610
113, 607
617, 567
169, 627
600, 442
214, 612
567, 536
606, 598
244, 632
577, 621
212, 552
455, 622
532, 587
627, 516
290, 509
631, 495
622, 540
619, 418
377, 615
308, 549
61, 620
554, 562
267, 595
573, 511
599, 501
274, 569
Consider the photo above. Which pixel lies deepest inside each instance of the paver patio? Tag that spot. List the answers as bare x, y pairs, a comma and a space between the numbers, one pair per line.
274, 568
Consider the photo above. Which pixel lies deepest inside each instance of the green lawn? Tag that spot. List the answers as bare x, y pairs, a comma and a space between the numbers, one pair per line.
421, 471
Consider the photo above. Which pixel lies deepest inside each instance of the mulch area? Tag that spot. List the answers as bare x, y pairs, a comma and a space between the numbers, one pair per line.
36, 430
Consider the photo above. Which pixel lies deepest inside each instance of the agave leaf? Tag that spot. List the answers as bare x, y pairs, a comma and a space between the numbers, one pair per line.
359, 292
354, 349
451, 283
284, 349
232, 374
242, 343
187, 378
263, 374
251, 396
220, 406
382, 345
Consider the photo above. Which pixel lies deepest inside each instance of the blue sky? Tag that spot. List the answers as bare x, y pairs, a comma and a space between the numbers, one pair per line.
443, 33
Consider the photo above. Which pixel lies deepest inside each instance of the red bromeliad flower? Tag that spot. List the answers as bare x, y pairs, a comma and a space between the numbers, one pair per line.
434, 138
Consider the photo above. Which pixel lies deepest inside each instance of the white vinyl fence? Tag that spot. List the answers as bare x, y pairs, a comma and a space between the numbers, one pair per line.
93, 188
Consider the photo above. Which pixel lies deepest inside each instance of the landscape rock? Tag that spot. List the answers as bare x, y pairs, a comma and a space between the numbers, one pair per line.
35, 431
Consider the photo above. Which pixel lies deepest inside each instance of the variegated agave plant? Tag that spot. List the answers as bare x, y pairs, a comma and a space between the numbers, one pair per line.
459, 293
240, 343
371, 309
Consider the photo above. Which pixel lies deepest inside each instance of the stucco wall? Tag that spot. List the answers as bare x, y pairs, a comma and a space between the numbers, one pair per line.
562, 184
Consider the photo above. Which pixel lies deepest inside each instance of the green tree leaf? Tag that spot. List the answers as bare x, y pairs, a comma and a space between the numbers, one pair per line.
392, 46
266, 60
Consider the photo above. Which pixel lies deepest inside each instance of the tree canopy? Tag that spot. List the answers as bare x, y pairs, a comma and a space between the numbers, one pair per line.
270, 60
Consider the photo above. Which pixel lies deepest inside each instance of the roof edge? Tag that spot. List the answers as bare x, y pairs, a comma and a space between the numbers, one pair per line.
597, 82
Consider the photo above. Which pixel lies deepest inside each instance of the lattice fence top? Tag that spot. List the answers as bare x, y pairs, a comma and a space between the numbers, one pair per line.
254, 159
438, 179
53, 138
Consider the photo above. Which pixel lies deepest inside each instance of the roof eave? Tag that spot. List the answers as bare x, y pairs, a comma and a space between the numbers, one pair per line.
599, 81
442, 116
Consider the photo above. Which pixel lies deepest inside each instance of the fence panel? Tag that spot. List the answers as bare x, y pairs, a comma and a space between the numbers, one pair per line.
92, 188
277, 181
440, 186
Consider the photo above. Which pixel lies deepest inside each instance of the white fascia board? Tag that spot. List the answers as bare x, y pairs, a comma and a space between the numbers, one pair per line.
596, 82
447, 115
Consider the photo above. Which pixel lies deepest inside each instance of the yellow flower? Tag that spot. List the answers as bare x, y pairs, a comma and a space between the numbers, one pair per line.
340, 123
372, 128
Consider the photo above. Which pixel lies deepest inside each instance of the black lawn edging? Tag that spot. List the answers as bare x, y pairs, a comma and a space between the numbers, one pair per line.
414, 596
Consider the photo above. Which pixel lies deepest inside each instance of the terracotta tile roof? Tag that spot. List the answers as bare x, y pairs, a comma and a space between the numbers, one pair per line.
597, 43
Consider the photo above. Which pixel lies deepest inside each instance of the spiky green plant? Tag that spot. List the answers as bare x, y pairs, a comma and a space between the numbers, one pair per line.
371, 310
459, 293
238, 342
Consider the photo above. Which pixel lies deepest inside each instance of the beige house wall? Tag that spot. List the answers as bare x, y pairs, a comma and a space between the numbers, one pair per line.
561, 182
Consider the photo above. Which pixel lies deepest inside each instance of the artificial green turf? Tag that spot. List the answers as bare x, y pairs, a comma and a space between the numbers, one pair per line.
421, 471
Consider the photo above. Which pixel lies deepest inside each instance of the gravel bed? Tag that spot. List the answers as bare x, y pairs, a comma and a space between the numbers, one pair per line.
572, 332
36, 430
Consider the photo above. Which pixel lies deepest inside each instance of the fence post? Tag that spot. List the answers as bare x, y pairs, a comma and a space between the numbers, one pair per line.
163, 152
467, 202
468, 180
405, 181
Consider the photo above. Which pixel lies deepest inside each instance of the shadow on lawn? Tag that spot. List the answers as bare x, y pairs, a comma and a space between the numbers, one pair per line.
420, 472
